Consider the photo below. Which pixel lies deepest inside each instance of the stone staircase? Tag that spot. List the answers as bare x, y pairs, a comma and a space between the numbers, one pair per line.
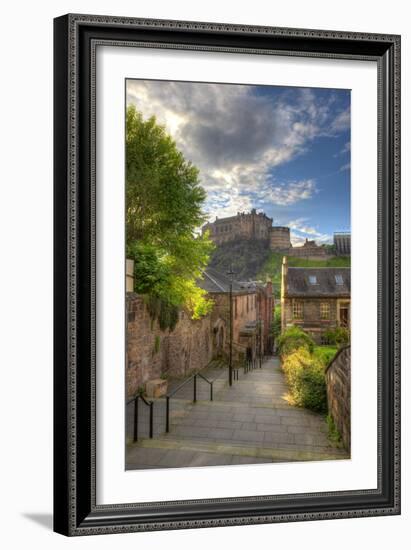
250, 422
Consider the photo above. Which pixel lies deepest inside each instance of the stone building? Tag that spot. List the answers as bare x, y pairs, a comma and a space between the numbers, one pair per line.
244, 225
152, 353
256, 225
316, 299
280, 238
309, 249
252, 313
342, 243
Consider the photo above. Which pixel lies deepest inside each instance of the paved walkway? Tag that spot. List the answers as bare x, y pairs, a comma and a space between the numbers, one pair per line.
248, 423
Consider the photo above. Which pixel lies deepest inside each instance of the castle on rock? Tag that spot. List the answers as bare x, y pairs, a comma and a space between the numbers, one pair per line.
258, 226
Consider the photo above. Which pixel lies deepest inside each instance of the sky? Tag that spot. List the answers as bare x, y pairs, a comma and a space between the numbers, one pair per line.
282, 150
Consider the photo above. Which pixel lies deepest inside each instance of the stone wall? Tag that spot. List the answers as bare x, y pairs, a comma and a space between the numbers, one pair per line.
280, 238
152, 352
338, 379
312, 322
244, 310
251, 225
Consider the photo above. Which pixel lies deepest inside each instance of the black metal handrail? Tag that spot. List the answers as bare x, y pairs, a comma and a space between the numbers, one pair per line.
171, 394
149, 404
247, 365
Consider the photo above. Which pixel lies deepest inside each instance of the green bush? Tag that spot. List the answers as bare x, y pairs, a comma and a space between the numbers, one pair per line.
340, 336
306, 380
294, 338
325, 354
276, 324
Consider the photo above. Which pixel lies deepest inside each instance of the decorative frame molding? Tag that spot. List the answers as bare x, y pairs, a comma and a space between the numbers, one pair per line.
75, 43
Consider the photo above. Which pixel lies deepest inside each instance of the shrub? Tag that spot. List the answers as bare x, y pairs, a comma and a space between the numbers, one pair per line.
339, 336
325, 354
292, 339
276, 324
306, 380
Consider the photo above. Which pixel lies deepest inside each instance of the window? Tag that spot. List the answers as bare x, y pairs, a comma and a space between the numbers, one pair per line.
297, 310
339, 280
312, 279
324, 310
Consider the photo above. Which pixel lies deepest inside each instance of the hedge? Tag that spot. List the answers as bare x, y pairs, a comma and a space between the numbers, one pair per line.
294, 338
339, 336
306, 380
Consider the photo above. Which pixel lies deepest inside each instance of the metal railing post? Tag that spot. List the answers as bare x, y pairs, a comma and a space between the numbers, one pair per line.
211, 391
195, 388
167, 414
151, 419
135, 418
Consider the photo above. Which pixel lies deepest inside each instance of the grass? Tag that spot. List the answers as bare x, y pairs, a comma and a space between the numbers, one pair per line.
325, 353
337, 261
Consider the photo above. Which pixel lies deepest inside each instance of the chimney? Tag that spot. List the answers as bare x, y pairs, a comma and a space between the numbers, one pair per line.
284, 270
129, 275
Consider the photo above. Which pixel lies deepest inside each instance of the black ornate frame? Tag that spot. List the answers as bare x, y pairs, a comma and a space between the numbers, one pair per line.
75, 41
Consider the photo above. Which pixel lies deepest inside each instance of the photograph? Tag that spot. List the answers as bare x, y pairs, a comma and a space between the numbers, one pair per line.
237, 269
226, 246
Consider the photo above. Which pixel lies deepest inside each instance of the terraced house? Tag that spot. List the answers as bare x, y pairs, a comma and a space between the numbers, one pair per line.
315, 299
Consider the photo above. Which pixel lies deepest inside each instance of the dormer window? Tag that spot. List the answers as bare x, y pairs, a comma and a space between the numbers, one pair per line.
312, 279
339, 280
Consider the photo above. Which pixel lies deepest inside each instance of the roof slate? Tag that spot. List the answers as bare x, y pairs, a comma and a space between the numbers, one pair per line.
298, 285
214, 281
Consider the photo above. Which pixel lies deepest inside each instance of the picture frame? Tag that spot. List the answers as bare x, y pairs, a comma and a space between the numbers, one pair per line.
76, 511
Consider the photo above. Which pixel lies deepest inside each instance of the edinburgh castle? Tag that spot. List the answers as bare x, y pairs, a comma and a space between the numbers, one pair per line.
257, 226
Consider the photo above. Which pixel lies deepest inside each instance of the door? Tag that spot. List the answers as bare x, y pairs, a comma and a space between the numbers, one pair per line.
345, 315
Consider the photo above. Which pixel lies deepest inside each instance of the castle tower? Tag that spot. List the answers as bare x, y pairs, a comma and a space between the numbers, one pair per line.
280, 238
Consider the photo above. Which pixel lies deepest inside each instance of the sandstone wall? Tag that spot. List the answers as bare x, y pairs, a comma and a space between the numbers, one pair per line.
312, 322
280, 238
338, 378
152, 352
243, 226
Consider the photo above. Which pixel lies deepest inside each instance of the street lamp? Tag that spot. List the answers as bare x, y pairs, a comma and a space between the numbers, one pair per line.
230, 361
258, 322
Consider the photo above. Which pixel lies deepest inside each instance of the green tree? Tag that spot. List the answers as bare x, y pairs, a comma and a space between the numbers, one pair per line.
276, 324
164, 201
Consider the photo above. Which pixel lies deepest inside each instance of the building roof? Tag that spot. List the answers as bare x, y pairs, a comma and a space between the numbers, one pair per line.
311, 282
214, 281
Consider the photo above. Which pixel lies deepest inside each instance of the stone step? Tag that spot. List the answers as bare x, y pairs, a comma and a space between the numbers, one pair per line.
279, 454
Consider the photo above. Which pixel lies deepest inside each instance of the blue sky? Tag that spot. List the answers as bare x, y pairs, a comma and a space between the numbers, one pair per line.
281, 150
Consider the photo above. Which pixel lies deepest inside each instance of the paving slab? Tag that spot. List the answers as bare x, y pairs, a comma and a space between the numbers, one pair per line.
248, 423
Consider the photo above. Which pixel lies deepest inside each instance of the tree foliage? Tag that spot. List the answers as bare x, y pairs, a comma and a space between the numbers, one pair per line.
164, 202
276, 324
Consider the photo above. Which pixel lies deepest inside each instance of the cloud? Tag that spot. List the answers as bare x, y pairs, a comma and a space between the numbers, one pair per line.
341, 122
345, 167
345, 149
287, 194
301, 231
237, 135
